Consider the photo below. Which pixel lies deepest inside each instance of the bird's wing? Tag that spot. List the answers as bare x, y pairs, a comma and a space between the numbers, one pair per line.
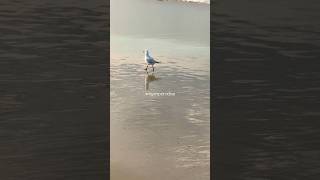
154, 61
150, 60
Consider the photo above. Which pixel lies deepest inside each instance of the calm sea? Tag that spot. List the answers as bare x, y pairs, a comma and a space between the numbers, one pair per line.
266, 86
53, 120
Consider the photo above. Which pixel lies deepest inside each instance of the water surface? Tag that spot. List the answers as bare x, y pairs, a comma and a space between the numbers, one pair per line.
52, 99
266, 84
160, 137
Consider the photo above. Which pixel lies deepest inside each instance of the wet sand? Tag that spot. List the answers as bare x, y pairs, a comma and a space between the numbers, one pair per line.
160, 137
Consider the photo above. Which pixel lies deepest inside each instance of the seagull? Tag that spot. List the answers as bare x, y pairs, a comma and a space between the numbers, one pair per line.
149, 60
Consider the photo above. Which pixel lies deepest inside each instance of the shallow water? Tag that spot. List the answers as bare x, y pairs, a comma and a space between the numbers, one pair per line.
160, 137
266, 88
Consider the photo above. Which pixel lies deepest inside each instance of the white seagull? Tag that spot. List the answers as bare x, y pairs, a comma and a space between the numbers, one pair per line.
149, 60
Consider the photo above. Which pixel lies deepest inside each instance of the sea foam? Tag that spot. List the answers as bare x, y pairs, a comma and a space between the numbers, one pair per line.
199, 1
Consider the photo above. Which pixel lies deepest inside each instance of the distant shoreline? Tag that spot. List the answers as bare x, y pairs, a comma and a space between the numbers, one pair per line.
197, 1
192, 1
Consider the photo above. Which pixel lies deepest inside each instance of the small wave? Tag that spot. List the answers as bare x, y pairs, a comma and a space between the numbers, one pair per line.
198, 1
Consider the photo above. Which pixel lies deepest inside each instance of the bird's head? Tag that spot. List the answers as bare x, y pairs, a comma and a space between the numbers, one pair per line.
145, 51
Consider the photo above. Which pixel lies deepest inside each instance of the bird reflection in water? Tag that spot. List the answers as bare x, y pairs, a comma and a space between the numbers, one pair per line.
149, 77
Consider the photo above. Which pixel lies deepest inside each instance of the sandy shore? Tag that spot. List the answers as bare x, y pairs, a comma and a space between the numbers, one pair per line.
120, 172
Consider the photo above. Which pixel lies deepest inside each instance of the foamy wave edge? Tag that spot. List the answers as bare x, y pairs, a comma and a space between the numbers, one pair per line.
197, 1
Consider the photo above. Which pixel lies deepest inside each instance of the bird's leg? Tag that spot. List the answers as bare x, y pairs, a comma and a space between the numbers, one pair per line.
152, 68
146, 67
